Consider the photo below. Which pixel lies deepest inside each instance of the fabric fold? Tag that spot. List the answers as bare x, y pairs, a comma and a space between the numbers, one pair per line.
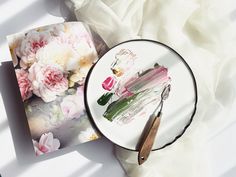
202, 32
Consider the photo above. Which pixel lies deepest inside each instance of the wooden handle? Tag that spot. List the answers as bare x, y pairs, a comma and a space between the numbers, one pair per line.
148, 140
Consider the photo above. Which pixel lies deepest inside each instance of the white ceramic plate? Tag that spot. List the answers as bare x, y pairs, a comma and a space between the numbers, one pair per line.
178, 109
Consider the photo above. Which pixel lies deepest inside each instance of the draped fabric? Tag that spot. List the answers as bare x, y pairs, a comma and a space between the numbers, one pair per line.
202, 31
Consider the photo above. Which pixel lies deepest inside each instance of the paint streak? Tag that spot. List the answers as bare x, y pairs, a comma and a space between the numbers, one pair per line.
137, 94
103, 100
109, 83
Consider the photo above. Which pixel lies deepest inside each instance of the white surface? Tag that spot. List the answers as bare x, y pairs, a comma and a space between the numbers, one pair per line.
172, 124
88, 160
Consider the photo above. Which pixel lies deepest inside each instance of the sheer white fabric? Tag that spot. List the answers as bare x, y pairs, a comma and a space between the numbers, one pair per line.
203, 33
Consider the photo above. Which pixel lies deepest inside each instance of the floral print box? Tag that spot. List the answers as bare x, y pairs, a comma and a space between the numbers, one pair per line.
51, 64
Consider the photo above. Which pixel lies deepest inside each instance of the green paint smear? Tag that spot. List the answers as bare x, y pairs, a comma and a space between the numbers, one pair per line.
117, 107
103, 100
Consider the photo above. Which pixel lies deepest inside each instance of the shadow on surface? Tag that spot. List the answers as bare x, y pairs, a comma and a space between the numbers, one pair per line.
1, 3
14, 109
230, 173
3, 125
11, 169
233, 15
16, 119
58, 8
100, 151
20, 20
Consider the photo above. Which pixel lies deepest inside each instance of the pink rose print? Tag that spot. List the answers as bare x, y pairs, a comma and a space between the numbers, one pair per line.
46, 144
31, 43
109, 83
48, 81
24, 84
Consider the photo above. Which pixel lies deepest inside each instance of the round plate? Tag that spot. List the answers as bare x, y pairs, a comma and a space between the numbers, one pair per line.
178, 109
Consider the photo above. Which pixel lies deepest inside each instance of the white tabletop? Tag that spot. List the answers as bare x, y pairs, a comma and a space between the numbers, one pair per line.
93, 159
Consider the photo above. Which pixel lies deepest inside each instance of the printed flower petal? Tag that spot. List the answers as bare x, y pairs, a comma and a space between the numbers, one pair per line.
48, 81
87, 135
46, 144
24, 83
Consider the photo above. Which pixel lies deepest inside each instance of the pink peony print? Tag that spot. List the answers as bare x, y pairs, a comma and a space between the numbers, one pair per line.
24, 84
46, 144
48, 81
72, 106
76, 34
30, 44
